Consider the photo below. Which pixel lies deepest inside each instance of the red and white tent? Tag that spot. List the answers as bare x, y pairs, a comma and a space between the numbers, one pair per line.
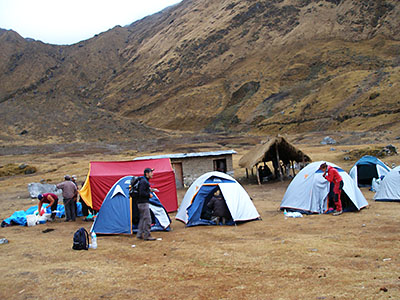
103, 174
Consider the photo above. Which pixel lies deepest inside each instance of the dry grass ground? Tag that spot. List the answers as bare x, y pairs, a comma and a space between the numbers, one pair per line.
353, 256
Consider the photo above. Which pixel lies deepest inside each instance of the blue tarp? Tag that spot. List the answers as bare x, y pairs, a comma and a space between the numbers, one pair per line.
19, 217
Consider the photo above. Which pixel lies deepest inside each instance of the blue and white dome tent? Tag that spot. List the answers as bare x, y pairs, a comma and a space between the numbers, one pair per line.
116, 213
367, 168
191, 210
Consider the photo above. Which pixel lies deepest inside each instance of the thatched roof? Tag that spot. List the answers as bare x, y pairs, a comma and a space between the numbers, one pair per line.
267, 151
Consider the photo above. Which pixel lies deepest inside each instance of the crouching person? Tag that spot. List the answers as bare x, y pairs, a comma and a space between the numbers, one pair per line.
52, 200
220, 211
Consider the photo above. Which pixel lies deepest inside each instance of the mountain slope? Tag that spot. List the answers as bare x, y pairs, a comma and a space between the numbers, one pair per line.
257, 66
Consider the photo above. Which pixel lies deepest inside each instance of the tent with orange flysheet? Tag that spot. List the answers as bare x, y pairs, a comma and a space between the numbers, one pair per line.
104, 174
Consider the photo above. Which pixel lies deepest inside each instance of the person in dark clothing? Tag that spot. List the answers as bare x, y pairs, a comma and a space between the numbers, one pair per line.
142, 200
51, 199
220, 211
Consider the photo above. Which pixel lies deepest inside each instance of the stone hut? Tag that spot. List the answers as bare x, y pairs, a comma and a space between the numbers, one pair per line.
189, 166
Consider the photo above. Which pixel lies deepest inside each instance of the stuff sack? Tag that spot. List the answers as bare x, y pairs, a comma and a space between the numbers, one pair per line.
81, 239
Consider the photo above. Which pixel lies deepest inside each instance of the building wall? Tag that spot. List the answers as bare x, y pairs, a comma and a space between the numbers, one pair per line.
194, 167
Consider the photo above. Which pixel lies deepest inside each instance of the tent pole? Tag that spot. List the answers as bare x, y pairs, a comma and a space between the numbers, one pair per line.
258, 175
279, 165
247, 173
294, 173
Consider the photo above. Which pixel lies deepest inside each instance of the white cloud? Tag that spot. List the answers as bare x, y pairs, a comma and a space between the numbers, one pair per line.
67, 22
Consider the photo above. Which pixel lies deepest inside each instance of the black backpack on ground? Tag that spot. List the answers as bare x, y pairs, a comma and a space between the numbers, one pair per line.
81, 239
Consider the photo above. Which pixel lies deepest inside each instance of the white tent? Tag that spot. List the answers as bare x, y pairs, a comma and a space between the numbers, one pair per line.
389, 188
238, 201
308, 191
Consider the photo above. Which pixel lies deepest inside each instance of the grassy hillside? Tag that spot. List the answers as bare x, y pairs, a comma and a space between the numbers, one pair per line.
261, 67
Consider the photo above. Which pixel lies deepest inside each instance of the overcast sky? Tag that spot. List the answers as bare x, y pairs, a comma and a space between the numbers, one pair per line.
70, 21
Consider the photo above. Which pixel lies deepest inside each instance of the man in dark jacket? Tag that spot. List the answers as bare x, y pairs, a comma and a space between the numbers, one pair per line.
142, 200
220, 210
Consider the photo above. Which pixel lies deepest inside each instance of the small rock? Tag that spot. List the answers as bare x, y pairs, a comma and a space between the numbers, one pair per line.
3, 241
23, 132
22, 166
390, 149
387, 259
30, 171
328, 141
383, 289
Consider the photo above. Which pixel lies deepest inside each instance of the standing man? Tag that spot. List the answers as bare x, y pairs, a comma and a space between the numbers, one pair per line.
142, 200
336, 186
51, 199
69, 192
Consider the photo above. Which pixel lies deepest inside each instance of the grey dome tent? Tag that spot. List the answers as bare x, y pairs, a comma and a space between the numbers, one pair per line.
389, 188
308, 191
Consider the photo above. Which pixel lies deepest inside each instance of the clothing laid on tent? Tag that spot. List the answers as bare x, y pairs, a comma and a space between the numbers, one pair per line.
389, 188
308, 192
367, 168
104, 174
195, 211
117, 214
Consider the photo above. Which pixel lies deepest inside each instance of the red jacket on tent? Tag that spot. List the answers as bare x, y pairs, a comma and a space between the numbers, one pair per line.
103, 174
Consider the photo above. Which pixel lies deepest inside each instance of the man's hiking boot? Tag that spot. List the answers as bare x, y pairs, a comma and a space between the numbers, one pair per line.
337, 213
150, 238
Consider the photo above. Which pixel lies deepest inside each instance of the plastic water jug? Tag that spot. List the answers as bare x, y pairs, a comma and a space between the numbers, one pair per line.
93, 245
